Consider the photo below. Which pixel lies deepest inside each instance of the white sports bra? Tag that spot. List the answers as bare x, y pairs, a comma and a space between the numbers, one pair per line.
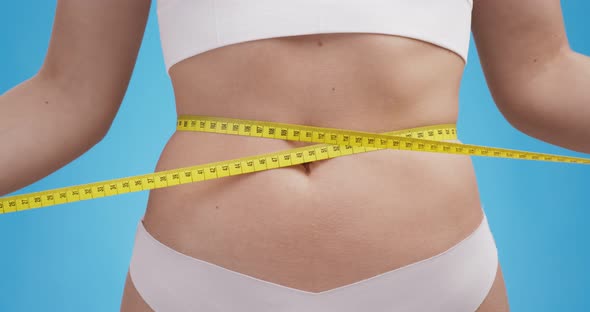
191, 27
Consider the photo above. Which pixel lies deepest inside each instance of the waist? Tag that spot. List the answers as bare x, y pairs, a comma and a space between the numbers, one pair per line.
344, 196
216, 136
444, 176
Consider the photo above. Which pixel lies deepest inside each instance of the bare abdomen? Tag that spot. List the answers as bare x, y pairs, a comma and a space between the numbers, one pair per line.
346, 219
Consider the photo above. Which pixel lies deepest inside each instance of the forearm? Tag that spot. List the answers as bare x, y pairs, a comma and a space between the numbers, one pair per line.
554, 106
42, 128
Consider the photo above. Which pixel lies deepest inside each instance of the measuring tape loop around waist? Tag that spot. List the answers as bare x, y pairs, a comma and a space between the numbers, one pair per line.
424, 139
332, 143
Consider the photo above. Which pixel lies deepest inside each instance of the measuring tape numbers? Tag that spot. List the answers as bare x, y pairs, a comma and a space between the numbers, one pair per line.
332, 143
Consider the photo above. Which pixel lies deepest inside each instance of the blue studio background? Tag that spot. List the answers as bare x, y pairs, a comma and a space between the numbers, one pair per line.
74, 257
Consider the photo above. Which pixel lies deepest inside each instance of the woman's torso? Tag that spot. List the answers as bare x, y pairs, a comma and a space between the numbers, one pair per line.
347, 219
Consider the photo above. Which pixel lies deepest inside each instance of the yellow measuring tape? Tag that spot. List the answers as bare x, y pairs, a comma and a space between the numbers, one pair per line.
334, 143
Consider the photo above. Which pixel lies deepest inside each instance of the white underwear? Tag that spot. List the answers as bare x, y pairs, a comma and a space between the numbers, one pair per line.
456, 280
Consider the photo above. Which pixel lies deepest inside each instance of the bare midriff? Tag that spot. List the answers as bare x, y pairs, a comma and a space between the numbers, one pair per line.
328, 223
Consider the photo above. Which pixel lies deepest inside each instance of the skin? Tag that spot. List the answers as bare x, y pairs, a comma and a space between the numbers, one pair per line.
383, 82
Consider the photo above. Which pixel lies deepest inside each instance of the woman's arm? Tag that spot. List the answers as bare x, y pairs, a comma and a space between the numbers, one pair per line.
69, 105
539, 84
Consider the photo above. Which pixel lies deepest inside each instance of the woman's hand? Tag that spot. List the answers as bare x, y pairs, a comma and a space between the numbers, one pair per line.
539, 84
69, 105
